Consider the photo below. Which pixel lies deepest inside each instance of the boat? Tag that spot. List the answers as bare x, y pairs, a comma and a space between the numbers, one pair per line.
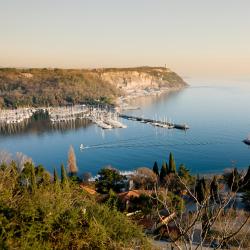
82, 147
247, 141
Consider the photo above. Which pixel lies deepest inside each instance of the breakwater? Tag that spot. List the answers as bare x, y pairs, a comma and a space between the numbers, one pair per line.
157, 123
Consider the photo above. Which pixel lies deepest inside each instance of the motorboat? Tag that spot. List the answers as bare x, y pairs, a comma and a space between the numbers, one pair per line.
82, 147
247, 141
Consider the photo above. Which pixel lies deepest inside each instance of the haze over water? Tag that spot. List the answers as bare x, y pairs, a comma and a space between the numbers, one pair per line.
217, 113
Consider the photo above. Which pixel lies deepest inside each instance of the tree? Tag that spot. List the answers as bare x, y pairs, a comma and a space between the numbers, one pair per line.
72, 167
143, 202
233, 180
185, 175
55, 177
164, 172
28, 177
54, 219
42, 176
144, 178
112, 201
183, 172
156, 169
64, 177
109, 178
201, 189
33, 179
176, 203
172, 165
214, 189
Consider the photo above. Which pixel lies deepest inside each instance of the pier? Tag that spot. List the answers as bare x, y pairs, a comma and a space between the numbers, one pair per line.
157, 123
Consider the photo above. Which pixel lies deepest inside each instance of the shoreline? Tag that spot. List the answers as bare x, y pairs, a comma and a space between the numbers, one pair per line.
123, 103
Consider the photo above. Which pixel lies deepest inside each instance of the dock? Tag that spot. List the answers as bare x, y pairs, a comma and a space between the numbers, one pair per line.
157, 123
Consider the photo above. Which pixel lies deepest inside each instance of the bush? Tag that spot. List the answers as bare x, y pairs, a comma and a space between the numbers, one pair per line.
54, 217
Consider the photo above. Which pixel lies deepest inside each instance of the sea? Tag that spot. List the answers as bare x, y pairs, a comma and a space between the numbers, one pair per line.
217, 112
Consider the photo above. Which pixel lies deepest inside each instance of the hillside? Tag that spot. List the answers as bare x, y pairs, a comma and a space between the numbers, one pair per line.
55, 87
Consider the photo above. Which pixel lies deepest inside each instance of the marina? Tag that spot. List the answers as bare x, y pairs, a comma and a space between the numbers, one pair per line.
103, 117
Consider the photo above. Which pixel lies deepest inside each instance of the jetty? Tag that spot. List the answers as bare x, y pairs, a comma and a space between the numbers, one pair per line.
157, 123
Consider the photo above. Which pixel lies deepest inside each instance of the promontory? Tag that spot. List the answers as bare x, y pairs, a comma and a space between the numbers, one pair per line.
33, 87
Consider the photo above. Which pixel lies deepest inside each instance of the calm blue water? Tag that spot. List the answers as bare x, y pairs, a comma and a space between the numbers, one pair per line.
218, 115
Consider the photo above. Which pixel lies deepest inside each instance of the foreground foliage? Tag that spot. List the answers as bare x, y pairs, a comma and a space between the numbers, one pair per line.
37, 214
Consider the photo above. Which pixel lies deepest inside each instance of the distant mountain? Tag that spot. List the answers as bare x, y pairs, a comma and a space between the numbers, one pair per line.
54, 87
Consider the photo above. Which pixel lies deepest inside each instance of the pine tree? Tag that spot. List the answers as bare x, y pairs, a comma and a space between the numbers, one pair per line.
246, 181
172, 165
214, 189
183, 171
164, 172
156, 169
64, 178
55, 177
201, 190
32, 178
72, 167
28, 176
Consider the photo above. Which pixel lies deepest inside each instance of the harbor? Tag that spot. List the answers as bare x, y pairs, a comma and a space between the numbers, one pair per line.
105, 118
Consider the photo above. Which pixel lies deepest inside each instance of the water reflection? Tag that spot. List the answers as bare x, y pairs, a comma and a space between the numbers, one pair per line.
40, 124
145, 101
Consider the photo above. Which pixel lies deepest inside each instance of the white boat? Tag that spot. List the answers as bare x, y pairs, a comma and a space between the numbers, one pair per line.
82, 147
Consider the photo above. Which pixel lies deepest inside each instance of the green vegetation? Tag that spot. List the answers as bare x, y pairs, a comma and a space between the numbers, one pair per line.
41, 211
164, 172
156, 169
201, 190
172, 165
52, 87
108, 178
36, 214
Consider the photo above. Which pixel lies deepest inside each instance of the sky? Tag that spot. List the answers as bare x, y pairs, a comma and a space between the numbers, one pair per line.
194, 38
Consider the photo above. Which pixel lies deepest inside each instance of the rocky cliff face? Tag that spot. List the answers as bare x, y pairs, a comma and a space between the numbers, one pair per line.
143, 79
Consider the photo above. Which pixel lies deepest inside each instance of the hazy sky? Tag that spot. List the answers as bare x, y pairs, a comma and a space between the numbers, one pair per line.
193, 37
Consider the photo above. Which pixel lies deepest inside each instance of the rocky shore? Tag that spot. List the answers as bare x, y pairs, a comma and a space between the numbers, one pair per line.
140, 82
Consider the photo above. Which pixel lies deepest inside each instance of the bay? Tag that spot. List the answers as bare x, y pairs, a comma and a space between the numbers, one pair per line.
218, 114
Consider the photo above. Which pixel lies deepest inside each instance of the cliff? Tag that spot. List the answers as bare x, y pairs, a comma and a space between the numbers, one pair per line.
149, 79
54, 87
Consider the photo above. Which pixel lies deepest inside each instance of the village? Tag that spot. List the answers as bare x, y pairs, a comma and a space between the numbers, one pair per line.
166, 202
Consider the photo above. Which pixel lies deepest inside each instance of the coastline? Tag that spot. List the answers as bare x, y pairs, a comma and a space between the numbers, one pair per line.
124, 102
